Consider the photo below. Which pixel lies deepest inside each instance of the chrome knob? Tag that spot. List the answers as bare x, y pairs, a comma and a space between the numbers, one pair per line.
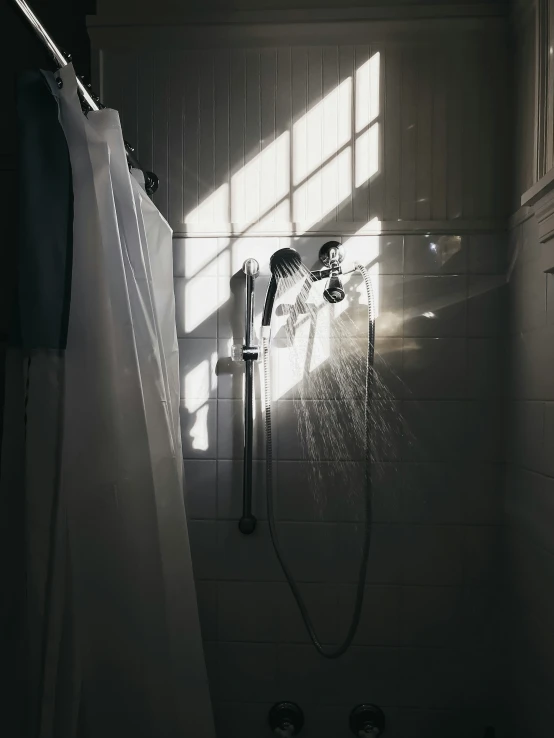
251, 268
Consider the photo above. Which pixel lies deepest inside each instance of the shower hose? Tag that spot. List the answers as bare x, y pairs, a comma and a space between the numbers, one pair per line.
343, 647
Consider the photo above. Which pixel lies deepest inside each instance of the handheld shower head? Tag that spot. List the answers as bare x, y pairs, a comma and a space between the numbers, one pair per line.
285, 262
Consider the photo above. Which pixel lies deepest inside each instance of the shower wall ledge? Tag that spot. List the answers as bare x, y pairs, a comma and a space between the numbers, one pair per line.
375, 11
346, 228
107, 32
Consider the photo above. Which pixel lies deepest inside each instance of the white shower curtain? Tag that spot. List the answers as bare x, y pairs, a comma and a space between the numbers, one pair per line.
123, 633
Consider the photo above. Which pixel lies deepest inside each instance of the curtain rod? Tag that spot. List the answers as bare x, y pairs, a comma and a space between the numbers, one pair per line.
90, 100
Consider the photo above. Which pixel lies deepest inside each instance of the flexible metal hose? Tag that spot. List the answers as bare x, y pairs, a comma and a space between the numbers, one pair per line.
343, 647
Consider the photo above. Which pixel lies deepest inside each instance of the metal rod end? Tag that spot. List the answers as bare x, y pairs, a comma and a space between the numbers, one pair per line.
247, 524
251, 268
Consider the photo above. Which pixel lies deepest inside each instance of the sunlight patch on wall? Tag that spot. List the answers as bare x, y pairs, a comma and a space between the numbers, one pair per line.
214, 208
199, 431
261, 183
204, 294
197, 386
367, 92
367, 155
335, 176
322, 131
203, 254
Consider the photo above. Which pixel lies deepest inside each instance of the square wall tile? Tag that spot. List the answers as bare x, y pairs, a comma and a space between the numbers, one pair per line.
483, 493
431, 678
435, 368
388, 364
310, 550
483, 616
303, 431
487, 427
486, 365
388, 293
388, 430
487, 306
241, 719
436, 430
200, 488
369, 670
430, 616
435, 306
197, 301
308, 678
206, 593
386, 480
488, 253
247, 672
192, 256
432, 554
430, 493
203, 548
199, 430
380, 618
248, 558
431, 723
247, 611
432, 254
308, 492
197, 367
385, 557
483, 548
323, 604
387, 252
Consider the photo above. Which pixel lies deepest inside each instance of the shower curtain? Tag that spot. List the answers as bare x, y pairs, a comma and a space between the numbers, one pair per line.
118, 628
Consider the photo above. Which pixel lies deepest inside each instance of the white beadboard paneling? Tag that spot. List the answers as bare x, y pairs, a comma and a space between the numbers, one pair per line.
176, 137
408, 113
161, 64
440, 83
424, 130
190, 163
237, 124
206, 137
377, 108
392, 124
455, 117
292, 139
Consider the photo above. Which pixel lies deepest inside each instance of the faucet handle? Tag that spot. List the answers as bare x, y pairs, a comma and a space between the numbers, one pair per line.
367, 721
286, 719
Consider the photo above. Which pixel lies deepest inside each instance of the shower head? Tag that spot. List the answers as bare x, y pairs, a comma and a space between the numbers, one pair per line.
334, 291
285, 262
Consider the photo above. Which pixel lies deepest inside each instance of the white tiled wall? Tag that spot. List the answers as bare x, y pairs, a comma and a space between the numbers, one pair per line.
426, 649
